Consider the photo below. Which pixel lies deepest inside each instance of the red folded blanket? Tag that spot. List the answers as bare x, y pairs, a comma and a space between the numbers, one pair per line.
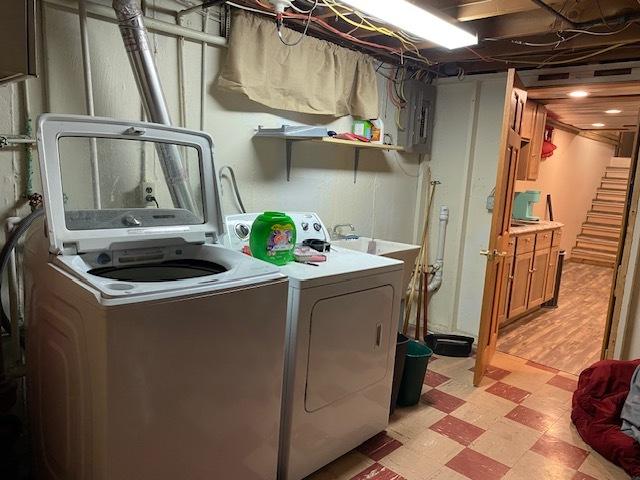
597, 403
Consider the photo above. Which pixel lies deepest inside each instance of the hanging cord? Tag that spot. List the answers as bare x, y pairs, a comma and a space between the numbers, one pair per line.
279, 23
234, 184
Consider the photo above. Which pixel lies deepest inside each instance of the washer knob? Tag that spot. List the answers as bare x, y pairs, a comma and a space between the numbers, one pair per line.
317, 227
242, 231
305, 226
103, 258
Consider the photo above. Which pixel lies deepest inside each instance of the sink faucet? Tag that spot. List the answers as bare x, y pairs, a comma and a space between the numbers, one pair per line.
338, 235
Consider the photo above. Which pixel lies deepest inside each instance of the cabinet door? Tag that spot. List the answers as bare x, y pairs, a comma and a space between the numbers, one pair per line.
503, 307
528, 120
538, 278
520, 284
535, 146
550, 285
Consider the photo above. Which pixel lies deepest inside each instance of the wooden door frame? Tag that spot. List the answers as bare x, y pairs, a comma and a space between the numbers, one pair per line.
615, 319
618, 313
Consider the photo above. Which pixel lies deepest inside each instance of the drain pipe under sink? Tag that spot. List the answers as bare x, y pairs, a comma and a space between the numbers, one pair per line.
436, 281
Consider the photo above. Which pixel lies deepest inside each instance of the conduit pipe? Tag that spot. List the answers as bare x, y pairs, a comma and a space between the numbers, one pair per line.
203, 73
136, 42
88, 98
102, 12
436, 281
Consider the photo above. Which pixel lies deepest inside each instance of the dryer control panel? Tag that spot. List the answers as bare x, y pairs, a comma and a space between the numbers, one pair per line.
308, 226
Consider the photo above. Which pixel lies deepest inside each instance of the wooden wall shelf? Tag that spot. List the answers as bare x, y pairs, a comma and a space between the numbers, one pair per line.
357, 146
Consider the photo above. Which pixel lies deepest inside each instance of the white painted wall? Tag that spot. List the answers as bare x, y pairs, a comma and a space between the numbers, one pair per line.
382, 201
571, 176
464, 158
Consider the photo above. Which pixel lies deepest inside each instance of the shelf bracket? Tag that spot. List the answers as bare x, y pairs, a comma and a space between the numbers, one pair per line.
356, 162
288, 147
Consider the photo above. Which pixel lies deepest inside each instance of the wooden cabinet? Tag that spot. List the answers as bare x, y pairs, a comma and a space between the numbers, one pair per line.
529, 276
552, 270
528, 120
505, 291
520, 284
538, 278
533, 123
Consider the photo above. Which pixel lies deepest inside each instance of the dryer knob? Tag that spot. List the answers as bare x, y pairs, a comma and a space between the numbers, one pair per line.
305, 226
317, 227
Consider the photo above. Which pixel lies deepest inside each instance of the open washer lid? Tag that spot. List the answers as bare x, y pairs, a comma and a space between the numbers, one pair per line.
147, 182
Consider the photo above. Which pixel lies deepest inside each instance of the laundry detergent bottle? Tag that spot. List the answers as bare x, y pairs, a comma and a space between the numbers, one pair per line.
273, 238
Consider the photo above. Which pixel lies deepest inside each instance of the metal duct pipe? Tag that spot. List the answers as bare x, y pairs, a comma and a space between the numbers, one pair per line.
136, 42
436, 281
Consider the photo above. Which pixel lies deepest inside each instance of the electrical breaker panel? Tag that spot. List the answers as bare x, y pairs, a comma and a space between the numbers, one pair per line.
417, 117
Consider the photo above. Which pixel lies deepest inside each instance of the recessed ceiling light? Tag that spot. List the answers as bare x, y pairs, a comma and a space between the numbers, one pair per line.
578, 94
597, 124
417, 21
612, 111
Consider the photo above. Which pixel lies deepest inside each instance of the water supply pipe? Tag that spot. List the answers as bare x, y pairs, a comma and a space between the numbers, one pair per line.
102, 12
136, 42
436, 281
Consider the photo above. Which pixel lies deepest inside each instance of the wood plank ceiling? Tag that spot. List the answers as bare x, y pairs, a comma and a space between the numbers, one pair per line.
583, 113
512, 33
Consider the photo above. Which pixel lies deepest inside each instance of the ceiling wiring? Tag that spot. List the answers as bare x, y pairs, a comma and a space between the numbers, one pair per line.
397, 51
304, 12
603, 34
303, 34
368, 26
546, 62
249, 9
342, 22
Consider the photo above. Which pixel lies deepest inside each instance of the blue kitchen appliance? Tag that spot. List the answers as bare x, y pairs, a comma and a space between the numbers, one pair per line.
523, 203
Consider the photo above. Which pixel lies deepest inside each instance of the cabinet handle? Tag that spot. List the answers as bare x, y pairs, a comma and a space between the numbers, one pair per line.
378, 334
510, 277
533, 270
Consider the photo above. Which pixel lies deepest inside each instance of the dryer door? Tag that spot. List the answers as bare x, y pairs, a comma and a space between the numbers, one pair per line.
349, 345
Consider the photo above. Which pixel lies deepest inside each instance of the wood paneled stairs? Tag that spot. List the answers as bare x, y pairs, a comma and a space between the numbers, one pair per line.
598, 241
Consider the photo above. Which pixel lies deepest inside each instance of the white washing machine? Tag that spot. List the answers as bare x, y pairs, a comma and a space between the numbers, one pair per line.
341, 329
154, 353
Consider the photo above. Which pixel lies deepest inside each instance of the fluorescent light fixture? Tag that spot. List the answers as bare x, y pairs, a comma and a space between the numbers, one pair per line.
578, 94
613, 111
416, 21
599, 125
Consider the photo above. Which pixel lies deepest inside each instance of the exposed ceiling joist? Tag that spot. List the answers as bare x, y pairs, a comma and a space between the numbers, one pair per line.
540, 21
508, 48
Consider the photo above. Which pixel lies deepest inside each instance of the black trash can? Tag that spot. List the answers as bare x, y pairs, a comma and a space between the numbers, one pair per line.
402, 342
415, 368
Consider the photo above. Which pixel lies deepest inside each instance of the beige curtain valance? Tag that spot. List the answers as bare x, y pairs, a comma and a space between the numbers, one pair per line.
312, 77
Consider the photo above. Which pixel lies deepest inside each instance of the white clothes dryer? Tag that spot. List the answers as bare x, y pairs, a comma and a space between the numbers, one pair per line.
341, 328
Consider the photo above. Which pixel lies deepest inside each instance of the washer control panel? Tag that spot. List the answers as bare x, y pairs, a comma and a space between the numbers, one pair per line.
308, 226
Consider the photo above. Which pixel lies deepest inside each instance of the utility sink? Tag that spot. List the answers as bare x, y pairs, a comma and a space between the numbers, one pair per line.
384, 248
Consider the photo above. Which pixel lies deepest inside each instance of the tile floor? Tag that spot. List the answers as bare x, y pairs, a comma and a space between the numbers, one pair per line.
516, 426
